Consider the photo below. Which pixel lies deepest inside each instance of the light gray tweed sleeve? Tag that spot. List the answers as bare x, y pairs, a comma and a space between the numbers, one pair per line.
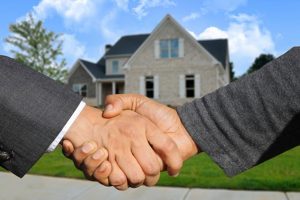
250, 120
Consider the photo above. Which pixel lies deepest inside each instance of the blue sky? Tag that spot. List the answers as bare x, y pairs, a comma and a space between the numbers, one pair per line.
252, 27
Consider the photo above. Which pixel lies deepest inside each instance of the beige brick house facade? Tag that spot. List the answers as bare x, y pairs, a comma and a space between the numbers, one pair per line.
168, 65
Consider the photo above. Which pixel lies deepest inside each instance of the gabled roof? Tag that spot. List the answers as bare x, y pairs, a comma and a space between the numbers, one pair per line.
169, 19
98, 69
127, 45
218, 48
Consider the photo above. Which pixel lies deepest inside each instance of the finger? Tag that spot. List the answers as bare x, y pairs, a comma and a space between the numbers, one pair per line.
117, 178
116, 103
146, 157
166, 148
102, 173
93, 161
131, 168
67, 148
151, 180
83, 152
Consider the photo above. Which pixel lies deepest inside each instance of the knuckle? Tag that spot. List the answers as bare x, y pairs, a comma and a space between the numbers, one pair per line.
104, 182
177, 165
151, 180
87, 163
151, 169
128, 130
117, 181
137, 180
121, 187
88, 176
169, 146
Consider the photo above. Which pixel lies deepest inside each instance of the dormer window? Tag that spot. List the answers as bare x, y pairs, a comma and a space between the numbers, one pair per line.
169, 48
115, 67
80, 89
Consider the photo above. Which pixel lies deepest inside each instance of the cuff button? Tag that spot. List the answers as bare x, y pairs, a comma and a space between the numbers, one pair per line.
4, 156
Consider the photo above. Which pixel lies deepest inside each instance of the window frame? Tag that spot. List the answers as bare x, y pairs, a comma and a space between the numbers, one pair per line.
80, 91
149, 79
167, 48
190, 77
115, 63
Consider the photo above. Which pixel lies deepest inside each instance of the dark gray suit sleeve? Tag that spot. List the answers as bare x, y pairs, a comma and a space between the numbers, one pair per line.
33, 110
250, 120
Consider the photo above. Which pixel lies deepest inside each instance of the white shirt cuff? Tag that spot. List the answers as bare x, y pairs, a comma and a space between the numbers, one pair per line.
65, 129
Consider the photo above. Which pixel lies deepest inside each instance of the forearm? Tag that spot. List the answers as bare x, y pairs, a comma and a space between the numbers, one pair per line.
33, 110
250, 120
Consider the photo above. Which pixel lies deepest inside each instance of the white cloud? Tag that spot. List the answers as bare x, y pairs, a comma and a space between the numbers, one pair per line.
72, 48
190, 17
247, 40
242, 17
212, 33
73, 10
105, 26
143, 5
123, 4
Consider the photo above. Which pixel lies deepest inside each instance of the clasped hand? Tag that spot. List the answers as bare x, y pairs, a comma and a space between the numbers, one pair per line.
128, 144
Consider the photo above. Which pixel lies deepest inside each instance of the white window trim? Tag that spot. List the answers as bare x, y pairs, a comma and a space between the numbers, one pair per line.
179, 53
112, 66
197, 86
182, 86
156, 87
142, 85
147, 89
186, 88
81, 84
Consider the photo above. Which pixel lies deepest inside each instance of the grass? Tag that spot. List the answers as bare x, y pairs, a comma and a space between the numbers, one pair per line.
281, 173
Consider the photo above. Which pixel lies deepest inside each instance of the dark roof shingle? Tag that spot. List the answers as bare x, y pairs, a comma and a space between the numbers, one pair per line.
127, 45
98, 69
217, 48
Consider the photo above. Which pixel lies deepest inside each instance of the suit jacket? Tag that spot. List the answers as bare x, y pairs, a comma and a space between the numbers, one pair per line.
33, 110
250, 120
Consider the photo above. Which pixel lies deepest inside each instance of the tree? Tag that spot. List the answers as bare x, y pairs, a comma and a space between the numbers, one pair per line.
231, 72
38, 48
260, 62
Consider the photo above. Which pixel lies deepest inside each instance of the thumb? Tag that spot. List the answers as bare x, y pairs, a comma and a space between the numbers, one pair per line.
67, 148
116, 103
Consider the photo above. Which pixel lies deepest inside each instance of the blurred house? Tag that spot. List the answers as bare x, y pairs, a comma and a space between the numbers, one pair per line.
168, 65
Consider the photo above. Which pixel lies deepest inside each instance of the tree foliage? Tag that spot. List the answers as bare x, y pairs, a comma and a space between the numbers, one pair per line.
231, 72
37, 48
259, 62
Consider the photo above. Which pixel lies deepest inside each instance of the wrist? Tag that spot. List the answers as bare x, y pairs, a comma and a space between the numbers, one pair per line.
83, 127
190, 146
185, 143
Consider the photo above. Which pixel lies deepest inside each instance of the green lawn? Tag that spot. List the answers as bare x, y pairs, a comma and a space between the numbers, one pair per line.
281, 173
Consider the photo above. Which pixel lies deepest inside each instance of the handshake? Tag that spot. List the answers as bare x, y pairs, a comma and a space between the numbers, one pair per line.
129, 143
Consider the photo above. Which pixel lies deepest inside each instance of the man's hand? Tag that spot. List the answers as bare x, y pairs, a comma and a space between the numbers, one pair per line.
91, 160
125, 138
162, 116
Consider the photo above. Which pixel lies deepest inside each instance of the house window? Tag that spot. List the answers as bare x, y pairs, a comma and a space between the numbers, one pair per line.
115, 66
80, 89
169, 48
149, 83
190, 86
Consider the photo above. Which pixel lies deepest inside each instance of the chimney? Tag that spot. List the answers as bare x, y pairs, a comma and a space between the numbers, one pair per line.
107, 48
